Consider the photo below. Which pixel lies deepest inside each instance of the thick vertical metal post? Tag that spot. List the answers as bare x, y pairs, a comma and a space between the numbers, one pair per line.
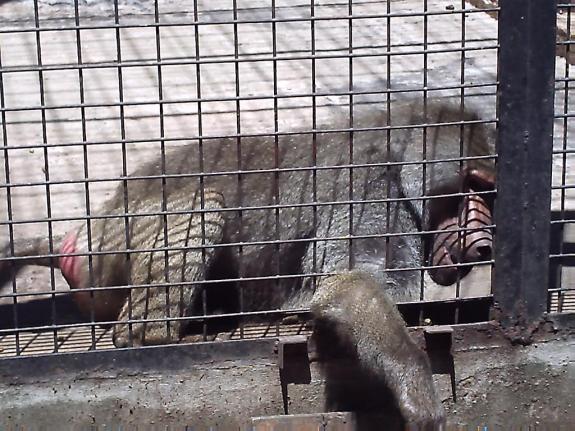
524, 148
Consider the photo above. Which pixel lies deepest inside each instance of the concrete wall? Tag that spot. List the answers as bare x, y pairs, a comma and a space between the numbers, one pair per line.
225, 384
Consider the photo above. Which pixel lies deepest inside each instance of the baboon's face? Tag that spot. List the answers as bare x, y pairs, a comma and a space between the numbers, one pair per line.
462, 224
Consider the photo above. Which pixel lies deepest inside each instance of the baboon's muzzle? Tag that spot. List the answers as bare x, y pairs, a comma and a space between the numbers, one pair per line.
466, 237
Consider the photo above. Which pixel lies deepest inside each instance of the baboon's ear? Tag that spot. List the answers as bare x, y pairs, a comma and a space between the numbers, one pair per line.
478, 179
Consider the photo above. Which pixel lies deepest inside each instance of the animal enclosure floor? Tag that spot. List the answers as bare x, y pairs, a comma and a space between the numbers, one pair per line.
563, 302
86, 338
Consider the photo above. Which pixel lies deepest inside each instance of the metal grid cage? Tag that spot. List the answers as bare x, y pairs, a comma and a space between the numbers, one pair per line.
562, 296
89, 91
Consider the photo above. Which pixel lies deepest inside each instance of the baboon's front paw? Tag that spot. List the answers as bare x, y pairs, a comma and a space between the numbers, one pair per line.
121, 336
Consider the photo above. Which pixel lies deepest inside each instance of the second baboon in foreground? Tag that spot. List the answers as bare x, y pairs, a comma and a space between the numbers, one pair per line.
333, 204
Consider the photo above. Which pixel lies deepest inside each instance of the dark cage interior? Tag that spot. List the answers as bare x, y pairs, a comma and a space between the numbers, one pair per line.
198, 172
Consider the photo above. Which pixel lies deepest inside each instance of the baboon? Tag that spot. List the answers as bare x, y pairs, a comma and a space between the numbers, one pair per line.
333, 203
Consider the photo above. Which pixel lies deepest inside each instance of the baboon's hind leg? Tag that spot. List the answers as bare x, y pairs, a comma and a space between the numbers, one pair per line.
185, 263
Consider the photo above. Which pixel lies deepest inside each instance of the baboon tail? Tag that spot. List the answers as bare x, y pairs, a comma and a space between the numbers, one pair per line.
24, 252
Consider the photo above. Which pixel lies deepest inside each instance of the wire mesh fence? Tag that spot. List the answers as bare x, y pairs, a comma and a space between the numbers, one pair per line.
562, 296
325, 127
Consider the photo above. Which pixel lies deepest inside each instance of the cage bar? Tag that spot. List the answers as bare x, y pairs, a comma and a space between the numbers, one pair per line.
524, 147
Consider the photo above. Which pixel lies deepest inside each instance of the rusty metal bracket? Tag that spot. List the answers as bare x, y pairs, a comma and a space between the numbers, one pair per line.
293, 363
439, 347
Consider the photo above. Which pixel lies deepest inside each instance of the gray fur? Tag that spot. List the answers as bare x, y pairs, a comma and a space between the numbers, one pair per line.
358, 303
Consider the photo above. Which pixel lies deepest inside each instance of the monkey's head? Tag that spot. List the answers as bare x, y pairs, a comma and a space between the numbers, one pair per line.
460, 225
